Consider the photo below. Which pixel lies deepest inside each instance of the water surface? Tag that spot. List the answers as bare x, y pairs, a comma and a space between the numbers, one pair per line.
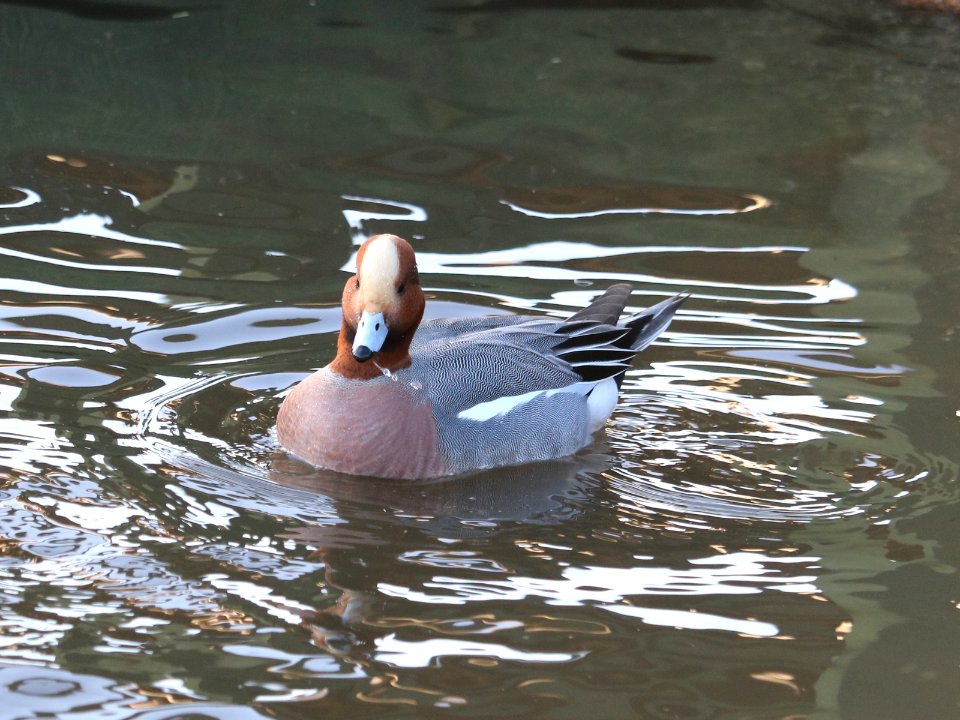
766, 530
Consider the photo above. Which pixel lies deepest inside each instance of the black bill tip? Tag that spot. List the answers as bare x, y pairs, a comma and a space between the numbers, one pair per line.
362, 353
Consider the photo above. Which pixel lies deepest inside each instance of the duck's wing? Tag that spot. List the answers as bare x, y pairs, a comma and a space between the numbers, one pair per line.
476, 361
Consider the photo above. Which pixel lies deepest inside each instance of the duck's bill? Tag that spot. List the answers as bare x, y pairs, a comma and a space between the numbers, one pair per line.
371, 334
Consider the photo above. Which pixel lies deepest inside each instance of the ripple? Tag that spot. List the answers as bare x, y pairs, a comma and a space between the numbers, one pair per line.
17, 197
446, 163
412, 654
51, 692
760, 509
196, 518
218, 432
46, 691
698, 621
694, 439
637, 592
71, 376
234, 328
94, 242
146, 188
219, 424
710, 418
568, 203
529, 262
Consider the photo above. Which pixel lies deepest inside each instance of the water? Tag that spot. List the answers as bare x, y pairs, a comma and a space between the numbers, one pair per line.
768, 527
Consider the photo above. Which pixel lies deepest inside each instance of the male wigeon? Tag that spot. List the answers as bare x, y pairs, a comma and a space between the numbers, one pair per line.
402, 400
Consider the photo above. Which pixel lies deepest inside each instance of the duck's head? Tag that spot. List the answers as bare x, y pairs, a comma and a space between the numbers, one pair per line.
382, 307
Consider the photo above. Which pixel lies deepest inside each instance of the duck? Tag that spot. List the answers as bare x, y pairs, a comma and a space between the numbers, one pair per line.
411, 401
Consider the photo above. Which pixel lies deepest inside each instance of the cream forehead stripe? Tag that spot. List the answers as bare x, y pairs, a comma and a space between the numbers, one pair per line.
379, 272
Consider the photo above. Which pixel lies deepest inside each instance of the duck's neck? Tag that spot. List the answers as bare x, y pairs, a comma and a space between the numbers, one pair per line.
395, 355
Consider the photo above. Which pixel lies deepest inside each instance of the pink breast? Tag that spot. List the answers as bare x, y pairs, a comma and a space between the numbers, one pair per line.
378, 428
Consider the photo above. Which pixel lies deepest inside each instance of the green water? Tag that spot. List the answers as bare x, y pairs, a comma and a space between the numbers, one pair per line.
768, 527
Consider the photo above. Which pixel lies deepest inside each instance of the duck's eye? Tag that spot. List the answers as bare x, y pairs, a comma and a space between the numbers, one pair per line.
356, 284
401, 289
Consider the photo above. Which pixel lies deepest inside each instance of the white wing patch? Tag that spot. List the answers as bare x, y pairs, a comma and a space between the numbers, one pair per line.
502, 405
600, 402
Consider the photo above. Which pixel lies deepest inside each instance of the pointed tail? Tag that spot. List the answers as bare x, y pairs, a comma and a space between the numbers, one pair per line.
647, 325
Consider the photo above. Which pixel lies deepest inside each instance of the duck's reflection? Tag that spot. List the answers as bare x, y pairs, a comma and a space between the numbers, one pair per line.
449, 510
536, 493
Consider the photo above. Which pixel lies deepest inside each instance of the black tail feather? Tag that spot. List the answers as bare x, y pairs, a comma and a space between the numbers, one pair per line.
607, 308
595, 350
647, 325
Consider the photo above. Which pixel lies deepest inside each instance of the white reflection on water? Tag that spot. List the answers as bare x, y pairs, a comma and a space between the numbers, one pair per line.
766, 405
29, 639
236, 326
412, 654
283, 608
34, 287
391, 210
730, 574
82, 224
781, 418
757, 202
618, 589
209, 513
31, 198
23, 324
690, 620
101, 518
780, 335
292, 664
711, 463
515, 263
86, 224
